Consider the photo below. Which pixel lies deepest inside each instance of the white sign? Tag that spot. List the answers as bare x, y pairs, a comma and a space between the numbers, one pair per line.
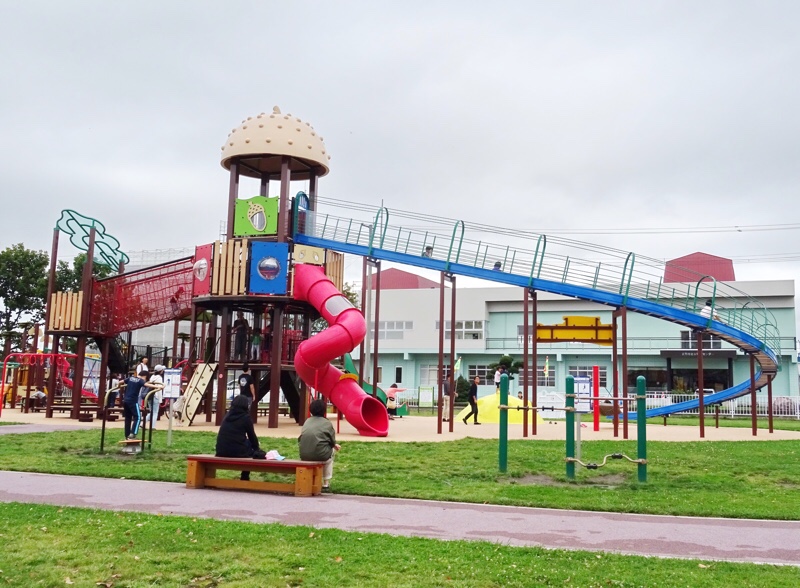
583, 394
426, 396
172, 383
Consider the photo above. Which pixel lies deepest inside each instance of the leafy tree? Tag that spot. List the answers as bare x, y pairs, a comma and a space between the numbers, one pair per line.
512, 367
462, 387
349, 292
23, 288
69, 277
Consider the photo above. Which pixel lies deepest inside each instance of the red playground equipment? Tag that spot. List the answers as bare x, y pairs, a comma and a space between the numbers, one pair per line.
34, 367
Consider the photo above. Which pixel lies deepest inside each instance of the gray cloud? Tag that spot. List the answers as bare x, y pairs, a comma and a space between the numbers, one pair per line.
535, 115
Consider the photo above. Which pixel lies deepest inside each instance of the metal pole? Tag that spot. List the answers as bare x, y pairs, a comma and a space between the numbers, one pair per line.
570, 418
525, 362
377, 322
769, 404
453, 381
701, 384
503, 458
440, 371
535, 355
615, 371
753, 411
624, 375
364, 311
641, 425
596, 394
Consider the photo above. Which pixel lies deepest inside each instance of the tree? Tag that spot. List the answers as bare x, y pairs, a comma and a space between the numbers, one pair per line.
23, 288
69, 278
349, 292
512, 367
462, 387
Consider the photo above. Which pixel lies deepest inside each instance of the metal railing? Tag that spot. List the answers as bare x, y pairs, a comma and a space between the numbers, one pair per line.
537, 257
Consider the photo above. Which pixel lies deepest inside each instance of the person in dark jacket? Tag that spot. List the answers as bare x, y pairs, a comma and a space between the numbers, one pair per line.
473, 401
317, 440
237, 437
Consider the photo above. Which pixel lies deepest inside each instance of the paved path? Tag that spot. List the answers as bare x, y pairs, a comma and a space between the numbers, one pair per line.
683, 537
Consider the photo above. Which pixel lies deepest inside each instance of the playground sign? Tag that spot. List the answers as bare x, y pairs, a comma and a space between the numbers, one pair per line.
172, 383
426, 397
583, 394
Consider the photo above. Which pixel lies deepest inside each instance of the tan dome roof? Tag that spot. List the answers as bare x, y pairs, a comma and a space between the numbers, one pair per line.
260, 142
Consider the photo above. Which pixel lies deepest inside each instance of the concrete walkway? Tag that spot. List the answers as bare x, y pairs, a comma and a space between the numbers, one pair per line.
665, 536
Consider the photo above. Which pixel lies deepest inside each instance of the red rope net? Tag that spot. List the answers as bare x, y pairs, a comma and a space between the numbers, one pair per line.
142, 298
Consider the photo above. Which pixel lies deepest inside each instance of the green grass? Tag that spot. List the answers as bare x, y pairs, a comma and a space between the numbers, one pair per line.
55, 546
744, 479
9, 423
739, 422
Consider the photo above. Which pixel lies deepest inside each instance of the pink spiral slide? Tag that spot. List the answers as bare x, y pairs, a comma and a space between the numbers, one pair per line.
312, 360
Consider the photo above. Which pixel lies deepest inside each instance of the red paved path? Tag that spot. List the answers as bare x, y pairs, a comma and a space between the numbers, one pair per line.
684, 537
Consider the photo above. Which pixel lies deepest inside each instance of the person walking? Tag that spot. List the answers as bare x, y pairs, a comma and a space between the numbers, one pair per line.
472, 398
446, 396
246, 385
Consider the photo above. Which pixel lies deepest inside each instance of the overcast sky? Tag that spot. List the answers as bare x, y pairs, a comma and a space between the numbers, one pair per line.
542, 116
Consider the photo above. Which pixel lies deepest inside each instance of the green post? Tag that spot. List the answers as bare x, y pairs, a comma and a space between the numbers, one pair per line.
641, 432
570, 414
503, 459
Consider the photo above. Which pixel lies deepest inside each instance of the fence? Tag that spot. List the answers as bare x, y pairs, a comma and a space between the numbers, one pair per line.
782, 406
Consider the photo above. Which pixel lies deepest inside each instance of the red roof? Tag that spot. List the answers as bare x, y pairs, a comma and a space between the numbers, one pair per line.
395, 279
690, 268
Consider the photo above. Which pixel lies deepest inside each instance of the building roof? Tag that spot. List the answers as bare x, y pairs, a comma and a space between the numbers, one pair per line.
690, 268
395, 279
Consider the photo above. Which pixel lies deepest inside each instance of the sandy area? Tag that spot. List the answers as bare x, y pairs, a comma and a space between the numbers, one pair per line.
424, 428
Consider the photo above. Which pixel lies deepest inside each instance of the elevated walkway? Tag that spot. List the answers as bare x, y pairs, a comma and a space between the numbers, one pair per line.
615, 278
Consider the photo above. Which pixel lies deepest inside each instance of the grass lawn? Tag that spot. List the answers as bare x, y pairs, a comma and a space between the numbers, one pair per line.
55, 546
729, 479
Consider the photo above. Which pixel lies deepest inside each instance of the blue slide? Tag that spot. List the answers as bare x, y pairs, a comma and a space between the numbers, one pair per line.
340, 236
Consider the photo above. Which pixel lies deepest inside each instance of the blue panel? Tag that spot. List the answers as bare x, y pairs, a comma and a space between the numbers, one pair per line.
268, 268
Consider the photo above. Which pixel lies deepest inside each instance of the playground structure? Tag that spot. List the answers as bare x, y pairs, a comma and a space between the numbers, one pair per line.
281, 266
30, 371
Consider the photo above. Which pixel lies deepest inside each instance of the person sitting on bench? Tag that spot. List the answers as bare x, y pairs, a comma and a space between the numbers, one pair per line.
317, 440
237, 437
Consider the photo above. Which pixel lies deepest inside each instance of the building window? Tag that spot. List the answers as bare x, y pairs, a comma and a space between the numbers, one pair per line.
541, 379
470, 330
398, 374
689, 341
393, 330
427, 374
585, 371
483, 372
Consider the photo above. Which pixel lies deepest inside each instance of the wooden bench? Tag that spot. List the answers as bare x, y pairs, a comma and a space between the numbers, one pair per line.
283, 410
202, 473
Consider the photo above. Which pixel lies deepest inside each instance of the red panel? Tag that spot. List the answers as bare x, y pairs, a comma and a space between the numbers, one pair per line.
201, 287
690, 268
395, 279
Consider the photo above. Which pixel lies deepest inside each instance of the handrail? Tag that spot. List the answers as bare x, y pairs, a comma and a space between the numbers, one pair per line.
536, 257
632, 258
603, 269
452, 240
713, 297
